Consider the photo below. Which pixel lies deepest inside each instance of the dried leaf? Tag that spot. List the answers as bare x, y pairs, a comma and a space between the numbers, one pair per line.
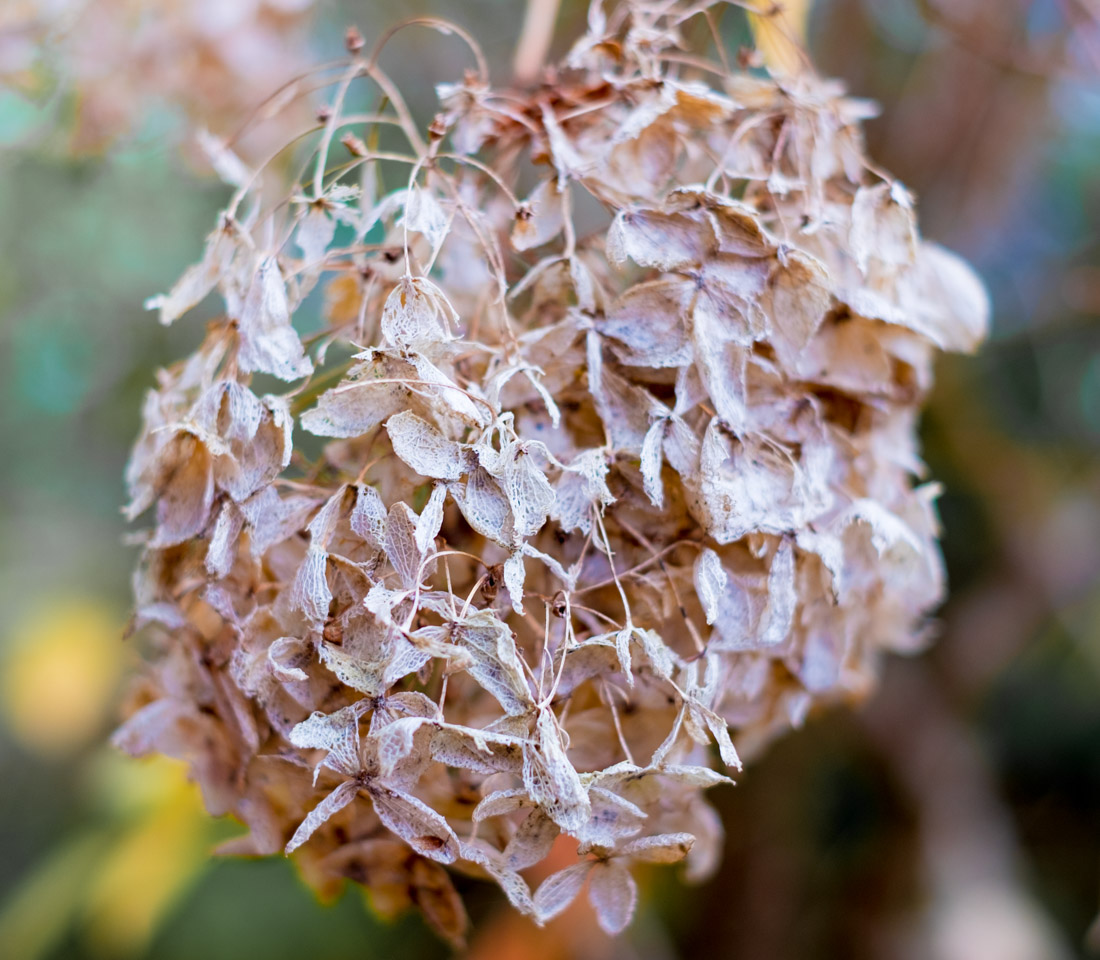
368, 516
425, 449
425, 215
710, 582
414, 822
496, 665
661, 240
319, 815
560, 889
415, 314
551, 779
648, 324
401, 546
269, 343
664, 848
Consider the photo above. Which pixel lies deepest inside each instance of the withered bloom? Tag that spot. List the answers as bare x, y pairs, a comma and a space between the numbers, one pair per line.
605, 471
120, 61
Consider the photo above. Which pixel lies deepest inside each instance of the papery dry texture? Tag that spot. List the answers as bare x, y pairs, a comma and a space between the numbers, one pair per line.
604, 472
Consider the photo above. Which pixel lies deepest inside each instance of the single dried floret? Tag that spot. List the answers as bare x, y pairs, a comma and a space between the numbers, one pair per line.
575, 511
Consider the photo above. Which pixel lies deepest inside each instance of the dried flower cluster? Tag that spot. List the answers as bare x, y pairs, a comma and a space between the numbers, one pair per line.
602, 472
214, 60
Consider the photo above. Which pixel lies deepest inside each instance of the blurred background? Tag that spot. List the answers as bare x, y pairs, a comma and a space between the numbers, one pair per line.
956, 816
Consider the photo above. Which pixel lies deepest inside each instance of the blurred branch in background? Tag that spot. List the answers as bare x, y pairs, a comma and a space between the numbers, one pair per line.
779, 32
978, 909
535, 39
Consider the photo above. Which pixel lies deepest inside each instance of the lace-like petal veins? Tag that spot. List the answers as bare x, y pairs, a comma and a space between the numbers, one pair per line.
644, 355
661, 240
797, 299
652, 458
737, 224
495, 662
477, 750
744, 489
361, 675
186, 485
720, 731
401, 545
431, 519
397, 740
222, 550
368, 516
332, 804
513, 885
560, 889
337, 733
515, 573
529, 493
581, 487
710, 582
648, 324
663, 848
311, 593
268, 341
357, 406
287, 656
413, 314
694, 775
425, 449
485, 507
551, 779
614, 895
445, 396
414, 822
500, 802
613, 819
623, 639
532, 841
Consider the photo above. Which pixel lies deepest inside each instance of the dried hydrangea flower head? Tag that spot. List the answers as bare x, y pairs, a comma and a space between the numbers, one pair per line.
122, 60
603, 472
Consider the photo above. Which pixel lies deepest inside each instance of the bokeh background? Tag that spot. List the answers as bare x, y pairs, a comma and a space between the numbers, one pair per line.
956, 816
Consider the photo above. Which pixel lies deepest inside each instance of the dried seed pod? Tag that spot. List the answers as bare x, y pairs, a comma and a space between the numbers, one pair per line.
584, 501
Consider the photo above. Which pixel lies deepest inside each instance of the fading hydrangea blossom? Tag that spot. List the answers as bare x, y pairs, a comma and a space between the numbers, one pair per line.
616, 401
123, 61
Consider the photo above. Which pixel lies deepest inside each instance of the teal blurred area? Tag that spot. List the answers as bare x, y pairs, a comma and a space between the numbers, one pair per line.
958, 810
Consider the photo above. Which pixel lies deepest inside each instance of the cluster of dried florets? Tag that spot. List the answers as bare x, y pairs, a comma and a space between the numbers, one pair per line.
605, 470
214, 60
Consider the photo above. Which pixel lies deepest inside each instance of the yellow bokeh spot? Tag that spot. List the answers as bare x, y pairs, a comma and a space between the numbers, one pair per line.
780, 33
58, 674
116, 881
149, 868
